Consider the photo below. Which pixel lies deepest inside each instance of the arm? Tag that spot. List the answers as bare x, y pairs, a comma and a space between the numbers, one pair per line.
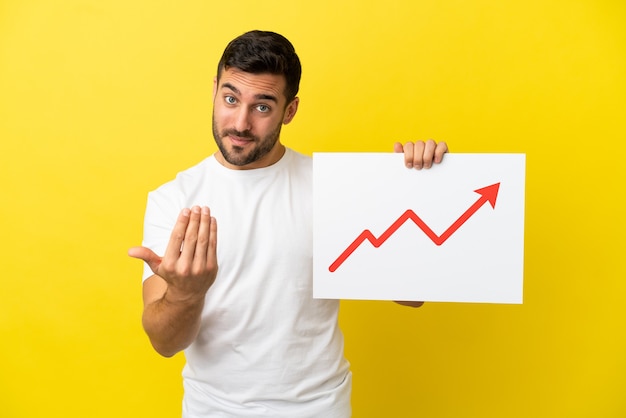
417, 155
174, 296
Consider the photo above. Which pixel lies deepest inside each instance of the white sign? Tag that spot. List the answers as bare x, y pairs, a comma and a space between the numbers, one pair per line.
451, 233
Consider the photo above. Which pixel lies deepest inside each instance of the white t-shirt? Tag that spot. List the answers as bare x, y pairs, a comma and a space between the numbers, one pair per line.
266, 348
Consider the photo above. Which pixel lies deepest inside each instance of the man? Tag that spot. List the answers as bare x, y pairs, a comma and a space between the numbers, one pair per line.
256, 343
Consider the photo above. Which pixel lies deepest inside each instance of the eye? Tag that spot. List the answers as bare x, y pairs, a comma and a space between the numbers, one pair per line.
263, 108
230, 100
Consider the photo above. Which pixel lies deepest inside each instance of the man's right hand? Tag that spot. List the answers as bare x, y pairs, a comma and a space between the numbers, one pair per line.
189, 265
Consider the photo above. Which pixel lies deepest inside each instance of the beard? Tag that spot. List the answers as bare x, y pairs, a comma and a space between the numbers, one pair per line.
237, 155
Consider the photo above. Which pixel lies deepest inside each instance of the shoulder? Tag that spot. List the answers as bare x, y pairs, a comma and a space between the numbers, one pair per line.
299, 162
188, 177
178, 190
297, 156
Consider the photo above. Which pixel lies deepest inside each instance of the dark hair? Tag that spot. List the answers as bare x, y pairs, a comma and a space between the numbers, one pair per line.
259, 52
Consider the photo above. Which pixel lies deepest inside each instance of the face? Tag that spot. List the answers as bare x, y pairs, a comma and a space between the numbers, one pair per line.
248, 113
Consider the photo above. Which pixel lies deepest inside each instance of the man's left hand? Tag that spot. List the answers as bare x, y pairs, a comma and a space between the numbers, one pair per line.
421, 154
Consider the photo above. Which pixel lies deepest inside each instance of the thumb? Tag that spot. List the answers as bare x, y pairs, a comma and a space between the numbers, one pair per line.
147, 255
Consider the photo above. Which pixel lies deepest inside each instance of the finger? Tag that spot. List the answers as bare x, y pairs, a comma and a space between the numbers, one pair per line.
212, 247
418, 155
204, 232
397, 147
147, 255
178, 235
191, 237
441, 149
429, 153
408, 154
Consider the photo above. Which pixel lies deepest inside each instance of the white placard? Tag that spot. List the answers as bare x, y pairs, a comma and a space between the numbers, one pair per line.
451, 233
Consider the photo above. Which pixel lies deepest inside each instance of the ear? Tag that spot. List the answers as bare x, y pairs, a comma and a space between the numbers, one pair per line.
214, 87
291, 110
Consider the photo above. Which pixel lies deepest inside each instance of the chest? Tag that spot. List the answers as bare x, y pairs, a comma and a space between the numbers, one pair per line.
264, 224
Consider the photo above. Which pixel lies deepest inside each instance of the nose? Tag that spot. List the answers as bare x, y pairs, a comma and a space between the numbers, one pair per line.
242, 119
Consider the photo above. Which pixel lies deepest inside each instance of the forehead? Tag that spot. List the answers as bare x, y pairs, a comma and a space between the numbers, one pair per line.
249, 84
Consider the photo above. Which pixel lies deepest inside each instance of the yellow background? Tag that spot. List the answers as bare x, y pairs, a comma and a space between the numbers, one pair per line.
102, 101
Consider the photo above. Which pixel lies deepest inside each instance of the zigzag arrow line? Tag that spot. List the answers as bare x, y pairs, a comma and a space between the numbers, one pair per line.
488, 194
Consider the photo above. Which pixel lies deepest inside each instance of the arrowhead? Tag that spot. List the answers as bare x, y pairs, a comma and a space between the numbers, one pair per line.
489, 193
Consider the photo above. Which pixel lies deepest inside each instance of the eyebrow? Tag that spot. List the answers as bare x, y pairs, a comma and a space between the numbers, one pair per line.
261, 96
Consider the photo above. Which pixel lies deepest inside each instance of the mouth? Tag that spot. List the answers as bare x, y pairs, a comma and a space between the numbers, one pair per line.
239, 141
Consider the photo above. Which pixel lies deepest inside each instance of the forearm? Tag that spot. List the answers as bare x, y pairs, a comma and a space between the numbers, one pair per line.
412, 304
172, 325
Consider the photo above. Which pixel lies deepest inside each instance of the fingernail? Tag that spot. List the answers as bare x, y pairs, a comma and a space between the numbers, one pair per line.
196, 209
205, 210
186, 212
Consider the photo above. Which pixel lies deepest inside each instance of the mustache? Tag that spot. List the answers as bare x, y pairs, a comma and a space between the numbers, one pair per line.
241, 134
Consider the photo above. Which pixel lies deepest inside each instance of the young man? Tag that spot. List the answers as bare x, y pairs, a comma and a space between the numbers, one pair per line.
256, 342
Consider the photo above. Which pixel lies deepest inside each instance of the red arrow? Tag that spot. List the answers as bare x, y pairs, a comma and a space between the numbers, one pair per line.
488, 194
